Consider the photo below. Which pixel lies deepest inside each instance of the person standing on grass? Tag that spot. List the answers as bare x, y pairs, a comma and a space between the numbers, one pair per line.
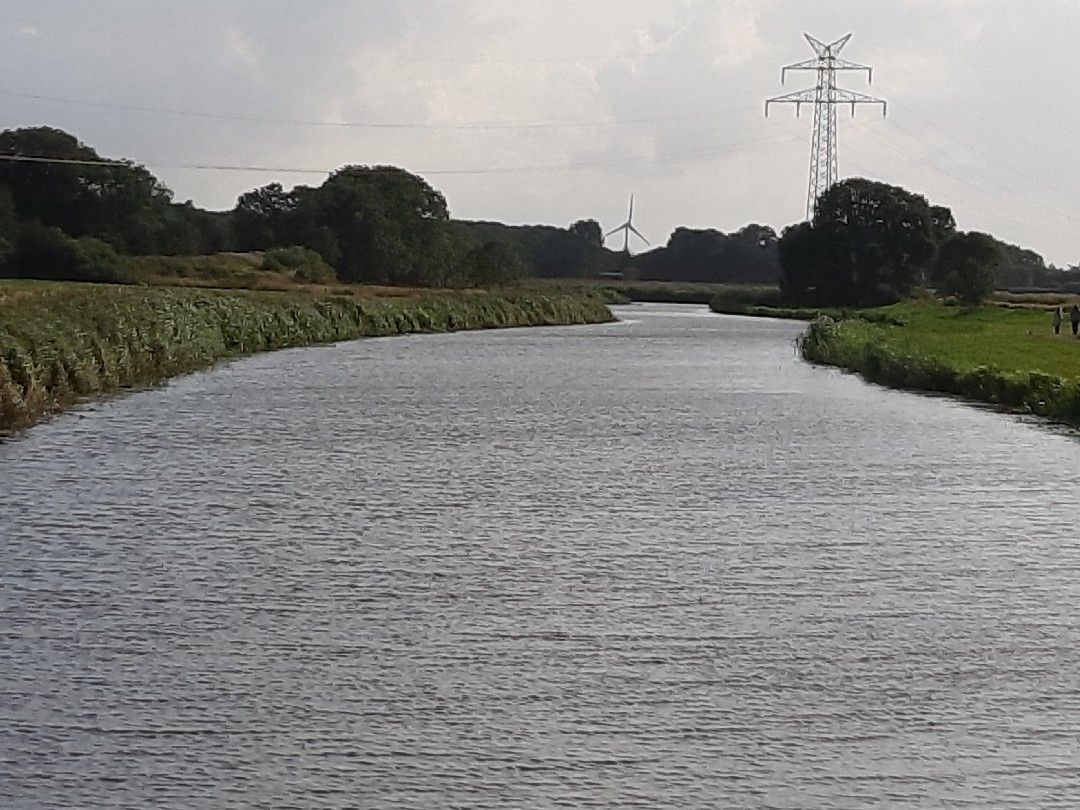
1074, 316
1057, 320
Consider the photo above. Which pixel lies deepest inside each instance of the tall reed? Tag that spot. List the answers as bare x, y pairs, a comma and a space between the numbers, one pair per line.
61, 342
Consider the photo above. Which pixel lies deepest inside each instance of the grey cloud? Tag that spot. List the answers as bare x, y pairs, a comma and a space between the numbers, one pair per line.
979, 96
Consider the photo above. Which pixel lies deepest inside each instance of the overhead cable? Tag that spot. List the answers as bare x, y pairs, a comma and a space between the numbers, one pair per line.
393, 125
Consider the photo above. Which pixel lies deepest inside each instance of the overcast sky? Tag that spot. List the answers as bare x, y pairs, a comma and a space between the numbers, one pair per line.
557, 110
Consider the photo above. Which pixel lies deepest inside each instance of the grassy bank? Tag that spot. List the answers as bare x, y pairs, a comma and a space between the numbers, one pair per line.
62, 342
662, 292
738, 299
765, 302
1007, 357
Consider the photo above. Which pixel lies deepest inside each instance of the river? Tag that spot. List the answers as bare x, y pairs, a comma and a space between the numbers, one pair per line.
657, 563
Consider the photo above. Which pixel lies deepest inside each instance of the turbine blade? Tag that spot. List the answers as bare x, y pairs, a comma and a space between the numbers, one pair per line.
639, 236
630, 218
615, 230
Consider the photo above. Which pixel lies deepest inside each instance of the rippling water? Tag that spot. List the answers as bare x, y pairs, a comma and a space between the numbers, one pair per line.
654, 563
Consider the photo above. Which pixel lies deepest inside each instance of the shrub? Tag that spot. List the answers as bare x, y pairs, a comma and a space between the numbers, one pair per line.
965, 266
737, 299
48, 253
494, 264
303, 264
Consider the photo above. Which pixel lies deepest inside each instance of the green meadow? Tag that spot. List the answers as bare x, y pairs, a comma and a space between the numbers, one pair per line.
1004, 356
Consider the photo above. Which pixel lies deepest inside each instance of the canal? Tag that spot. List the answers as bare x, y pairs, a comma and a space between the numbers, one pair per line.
656, 563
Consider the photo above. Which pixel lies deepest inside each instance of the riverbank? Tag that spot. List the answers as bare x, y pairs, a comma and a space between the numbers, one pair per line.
63, 342
1005, 357
618, 291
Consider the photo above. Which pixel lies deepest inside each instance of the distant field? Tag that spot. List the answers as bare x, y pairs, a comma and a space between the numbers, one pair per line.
1042, 300
244, 271
673, 292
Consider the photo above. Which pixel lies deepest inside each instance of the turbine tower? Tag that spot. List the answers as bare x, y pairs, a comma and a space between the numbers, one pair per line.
825, 98
627, 228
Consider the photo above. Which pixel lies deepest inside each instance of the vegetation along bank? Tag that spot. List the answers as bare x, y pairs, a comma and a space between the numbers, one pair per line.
1006, 357
62, 342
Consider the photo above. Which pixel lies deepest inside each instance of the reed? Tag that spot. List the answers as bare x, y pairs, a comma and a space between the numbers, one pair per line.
63, 342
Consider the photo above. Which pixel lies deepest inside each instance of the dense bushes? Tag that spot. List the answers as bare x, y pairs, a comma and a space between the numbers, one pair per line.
964, 268
47, 253
303, 264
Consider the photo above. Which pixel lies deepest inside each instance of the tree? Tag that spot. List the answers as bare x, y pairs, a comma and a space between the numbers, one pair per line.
751, 255
8, 219
262, 216
810, 262
869, 243
390, 226
965, 267
124, 204
589, 230
44, 252
1018, 267
692, 254
545, 250
942, 224
495, 263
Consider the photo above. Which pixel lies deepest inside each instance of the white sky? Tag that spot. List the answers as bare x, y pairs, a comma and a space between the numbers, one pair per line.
663, 99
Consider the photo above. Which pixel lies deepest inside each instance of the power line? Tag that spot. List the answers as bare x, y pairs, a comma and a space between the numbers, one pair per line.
1035, 203
277, 47
994, 157
714, 150
985, 197
480, 126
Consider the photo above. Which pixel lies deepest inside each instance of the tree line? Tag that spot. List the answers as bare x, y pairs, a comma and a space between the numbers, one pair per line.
78, 217
871, 243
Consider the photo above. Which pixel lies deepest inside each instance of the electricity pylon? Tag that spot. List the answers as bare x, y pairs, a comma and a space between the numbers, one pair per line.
825, 98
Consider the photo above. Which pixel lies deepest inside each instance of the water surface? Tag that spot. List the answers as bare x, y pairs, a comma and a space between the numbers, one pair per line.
654, 563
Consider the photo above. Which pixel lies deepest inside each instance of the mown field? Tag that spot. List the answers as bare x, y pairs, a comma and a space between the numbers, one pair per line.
1005, 356
64, 341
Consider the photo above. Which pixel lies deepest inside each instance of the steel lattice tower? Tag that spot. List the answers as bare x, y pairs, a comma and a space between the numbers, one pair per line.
825, 98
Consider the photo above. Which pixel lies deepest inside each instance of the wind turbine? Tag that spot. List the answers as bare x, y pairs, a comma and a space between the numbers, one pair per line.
627, 228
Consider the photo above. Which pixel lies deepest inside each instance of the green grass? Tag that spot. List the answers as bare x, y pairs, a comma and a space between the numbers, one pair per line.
61, 342
1019, 340
1008, 357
